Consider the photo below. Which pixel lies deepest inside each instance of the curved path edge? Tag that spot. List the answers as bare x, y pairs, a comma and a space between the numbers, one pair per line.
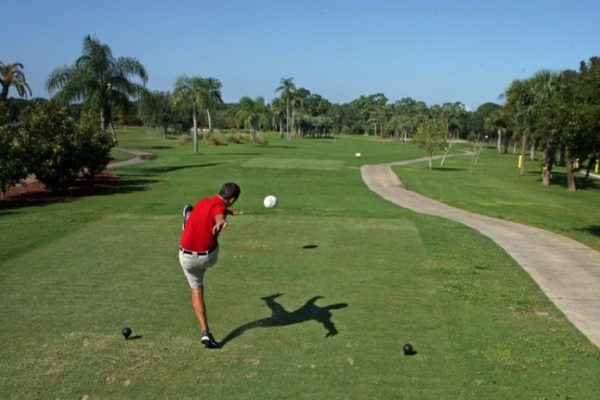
139, 158
567, 271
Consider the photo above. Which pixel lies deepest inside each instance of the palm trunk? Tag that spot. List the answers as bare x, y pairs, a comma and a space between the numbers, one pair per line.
210, 128
280, 128
102, 120
547, 169
292, 125
287, 117
4, 93
114, 135
499, 141
570, 174
195, 123
104, 115
545, 176
532, 150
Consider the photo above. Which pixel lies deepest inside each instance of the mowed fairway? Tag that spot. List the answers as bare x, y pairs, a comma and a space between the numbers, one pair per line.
314, 298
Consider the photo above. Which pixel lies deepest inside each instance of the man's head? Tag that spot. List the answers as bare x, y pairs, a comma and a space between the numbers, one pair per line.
230, 192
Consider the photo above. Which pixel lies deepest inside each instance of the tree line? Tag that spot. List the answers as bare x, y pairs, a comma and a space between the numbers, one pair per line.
557, 112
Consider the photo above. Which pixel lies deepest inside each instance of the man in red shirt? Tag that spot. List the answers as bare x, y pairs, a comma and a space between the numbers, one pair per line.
199, 248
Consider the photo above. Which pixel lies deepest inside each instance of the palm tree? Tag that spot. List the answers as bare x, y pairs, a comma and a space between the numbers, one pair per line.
296, 101
99, 80
278, 112
211, 97
12, 75
519, 102
156, 110
191, 90
250, 112
286, 87
546, 87
497, 121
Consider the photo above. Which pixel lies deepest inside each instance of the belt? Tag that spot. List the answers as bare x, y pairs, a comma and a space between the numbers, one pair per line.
197, 253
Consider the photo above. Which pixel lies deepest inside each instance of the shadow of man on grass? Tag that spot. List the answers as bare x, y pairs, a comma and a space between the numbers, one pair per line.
280, 317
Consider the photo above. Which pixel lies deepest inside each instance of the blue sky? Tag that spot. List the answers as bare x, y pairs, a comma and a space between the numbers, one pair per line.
433, 51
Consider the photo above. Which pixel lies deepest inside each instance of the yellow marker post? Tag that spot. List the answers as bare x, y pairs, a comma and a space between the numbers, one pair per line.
577, 163
597, 166
520, 161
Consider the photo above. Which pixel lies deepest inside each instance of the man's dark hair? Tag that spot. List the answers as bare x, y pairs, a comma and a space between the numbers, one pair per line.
230, 190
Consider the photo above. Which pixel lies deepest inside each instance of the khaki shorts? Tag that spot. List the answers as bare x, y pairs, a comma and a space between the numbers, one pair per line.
195, 265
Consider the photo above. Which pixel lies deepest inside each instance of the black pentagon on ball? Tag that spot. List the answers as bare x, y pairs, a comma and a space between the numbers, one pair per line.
126, 332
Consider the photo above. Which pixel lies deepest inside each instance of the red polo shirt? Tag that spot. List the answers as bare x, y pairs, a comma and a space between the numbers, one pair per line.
197, 235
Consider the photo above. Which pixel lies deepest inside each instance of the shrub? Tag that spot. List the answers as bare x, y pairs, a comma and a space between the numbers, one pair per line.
48, 137
237, 137
260, 139
12, 166
93, 146
182, 139
216, 139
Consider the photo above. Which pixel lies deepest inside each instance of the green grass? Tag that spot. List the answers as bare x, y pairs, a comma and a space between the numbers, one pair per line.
495, 188
73, 274
118, 155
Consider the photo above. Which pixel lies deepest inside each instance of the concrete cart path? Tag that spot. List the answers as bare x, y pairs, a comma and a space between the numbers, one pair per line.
566, 270
140, 157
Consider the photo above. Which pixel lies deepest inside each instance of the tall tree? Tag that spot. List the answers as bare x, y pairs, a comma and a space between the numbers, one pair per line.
297, 102
278, 112
546, 88
450, 114
571, 116
496, 121
579, 111
519, 102
286, 87
589, 95
156, 110
12, 157
250, 112
12, 75
190, 90
99, 80
369, 111
210, 97
411, 113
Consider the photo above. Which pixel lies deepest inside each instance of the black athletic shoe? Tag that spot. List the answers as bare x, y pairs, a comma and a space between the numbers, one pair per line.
209, 341
187, 210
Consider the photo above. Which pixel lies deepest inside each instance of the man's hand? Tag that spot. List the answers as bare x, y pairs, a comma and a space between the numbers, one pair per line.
219, 226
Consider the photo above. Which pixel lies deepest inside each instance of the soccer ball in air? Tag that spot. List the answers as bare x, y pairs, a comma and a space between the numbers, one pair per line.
270, 202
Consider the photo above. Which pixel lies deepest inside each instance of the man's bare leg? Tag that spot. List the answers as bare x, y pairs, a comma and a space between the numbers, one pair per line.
200, 308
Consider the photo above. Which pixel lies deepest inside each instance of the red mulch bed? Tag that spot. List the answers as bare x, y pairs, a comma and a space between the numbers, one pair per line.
35, 193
